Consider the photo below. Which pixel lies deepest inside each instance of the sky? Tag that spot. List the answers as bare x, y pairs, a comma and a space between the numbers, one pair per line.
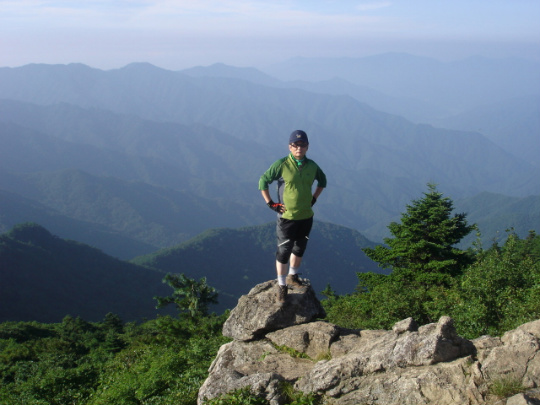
178, 34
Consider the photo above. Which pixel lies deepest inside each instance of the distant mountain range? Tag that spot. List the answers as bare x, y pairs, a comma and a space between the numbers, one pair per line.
44, 278
163, 166
211, 137
512, 124
449, 87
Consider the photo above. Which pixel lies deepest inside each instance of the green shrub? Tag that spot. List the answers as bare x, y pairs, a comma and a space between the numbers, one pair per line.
242, 396
506, 386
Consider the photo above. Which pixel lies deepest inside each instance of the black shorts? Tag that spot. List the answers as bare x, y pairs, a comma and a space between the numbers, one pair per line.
292, 237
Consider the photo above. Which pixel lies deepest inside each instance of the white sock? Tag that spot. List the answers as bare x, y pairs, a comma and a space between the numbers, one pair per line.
293, 270
281, 280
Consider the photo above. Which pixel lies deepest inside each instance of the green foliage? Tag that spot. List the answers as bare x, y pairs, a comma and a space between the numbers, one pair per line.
75, 362
292, 352
384, 300
242, 396
189, 295
424, 265
422, 250
498, 292
294, 397
486, 292
506, 386
501, 290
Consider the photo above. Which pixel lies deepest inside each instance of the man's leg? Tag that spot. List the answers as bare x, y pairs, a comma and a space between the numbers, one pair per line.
281, 270
301, 239
292, 277
285, 232
295, 262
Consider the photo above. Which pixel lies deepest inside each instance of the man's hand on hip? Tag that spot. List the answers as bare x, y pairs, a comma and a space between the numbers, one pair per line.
278, 207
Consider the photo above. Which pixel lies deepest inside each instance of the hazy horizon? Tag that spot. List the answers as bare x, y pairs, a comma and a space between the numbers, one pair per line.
181, 34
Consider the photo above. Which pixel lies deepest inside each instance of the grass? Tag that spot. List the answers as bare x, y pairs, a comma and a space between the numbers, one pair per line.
506, 386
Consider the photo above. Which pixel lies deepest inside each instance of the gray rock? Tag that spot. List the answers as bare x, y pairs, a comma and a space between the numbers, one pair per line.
432, 343
517, 357
525, 399
259, 312
406, 325
429, 364
313, 339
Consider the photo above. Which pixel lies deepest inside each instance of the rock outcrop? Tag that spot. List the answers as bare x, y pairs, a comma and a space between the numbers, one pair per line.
430, 364
259, 312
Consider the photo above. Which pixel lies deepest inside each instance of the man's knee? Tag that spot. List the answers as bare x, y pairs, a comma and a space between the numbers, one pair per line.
283, 252
300, 246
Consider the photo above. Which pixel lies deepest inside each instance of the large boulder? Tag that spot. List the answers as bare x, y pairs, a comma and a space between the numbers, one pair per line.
259, 312
517, 356
428, 345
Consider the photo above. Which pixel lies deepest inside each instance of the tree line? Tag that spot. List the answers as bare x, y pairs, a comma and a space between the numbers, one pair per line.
485, 291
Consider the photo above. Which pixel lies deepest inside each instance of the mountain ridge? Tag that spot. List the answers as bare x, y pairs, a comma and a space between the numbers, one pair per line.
214, 136
44, 277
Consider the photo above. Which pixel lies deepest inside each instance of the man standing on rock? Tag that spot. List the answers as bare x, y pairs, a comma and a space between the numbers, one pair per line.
295, 175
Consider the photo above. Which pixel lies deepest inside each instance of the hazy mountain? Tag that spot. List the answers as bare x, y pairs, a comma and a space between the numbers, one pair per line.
242, 73
151, 215
123, 146
512, 124
45, 278
214, 136
412, 109
15, 209
453, 87
495, 214
235, 260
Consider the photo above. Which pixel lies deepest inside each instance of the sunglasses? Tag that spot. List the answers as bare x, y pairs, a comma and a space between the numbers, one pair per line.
299, 145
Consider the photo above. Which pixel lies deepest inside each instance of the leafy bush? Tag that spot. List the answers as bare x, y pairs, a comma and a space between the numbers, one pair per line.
162, 361
500, 291
497, 293
485, 291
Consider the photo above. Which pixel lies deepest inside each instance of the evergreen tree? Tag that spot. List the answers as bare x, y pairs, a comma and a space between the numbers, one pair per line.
423, 250
189, 295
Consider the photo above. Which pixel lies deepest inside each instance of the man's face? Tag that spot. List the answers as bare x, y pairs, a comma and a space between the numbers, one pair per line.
299, 149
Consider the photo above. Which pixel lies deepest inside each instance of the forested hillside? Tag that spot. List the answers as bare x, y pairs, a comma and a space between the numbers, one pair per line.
493, 213
44, 277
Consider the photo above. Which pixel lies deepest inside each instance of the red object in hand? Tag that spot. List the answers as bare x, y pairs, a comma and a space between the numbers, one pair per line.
278, 207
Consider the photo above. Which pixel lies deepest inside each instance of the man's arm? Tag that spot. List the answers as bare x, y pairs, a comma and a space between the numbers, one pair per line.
273, 173
317, 192
272, 205
266, 196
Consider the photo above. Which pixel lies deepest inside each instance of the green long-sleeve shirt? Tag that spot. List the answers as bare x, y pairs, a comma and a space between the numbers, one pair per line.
294, 185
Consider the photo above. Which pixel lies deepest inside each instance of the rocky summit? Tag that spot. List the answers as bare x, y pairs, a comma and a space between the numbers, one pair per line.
275, 343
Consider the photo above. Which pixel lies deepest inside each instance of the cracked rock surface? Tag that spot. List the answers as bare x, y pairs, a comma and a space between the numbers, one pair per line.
429, 364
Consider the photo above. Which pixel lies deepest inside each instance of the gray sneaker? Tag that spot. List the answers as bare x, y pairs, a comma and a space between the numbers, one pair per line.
282, 293
294, 280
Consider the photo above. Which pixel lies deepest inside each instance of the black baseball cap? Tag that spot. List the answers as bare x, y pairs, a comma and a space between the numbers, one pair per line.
298, 136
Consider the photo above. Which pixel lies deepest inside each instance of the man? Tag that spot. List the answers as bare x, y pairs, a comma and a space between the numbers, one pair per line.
295, 175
